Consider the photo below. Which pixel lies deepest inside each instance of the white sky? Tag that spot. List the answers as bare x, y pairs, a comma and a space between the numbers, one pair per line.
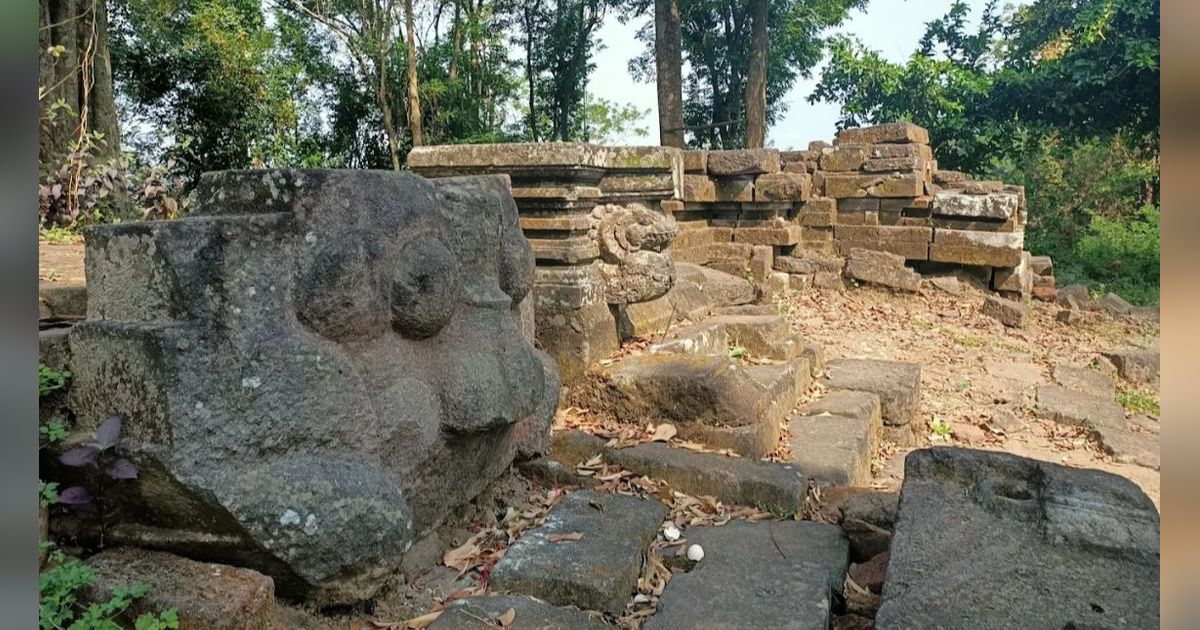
893, 27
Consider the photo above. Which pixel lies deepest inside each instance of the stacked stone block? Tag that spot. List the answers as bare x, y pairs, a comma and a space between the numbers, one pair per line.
784, 220
599, 221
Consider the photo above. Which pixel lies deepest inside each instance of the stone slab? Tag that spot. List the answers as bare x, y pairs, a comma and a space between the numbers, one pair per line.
734, 162
1135, 365
793, 187
770, 574
999, 206
777, 488
888, 133
1008, 312
484, 613
1074, 408
992, 540
897, 383
597, 572
205, 595
881, 268
1084, 379
833, 440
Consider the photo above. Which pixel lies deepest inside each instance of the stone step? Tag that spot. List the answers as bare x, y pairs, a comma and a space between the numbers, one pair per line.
833, 439
760, 336
775, 487
769, 574
599, 571
711, 399
778, 488
487, 613
897, 383
992, 540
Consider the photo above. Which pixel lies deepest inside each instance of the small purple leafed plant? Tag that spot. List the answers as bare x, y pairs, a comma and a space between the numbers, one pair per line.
99, 452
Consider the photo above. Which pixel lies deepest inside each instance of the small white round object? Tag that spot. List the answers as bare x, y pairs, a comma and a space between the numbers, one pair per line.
671, 533
695, 553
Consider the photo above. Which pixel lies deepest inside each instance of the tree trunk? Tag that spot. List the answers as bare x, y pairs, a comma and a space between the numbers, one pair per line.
103, 102
414, 98
529, 43
456, 49
80, 77
756, 77
668, 60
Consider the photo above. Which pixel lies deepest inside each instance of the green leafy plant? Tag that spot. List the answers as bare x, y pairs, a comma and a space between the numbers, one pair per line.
47, 493
939, 429
59, 606
54, 431
51, 380
737, 352
1139, 401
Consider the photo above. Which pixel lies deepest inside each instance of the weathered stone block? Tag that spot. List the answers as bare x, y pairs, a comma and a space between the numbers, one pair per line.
700, 389
698, 188
897, 383
782, 235
817, 212
1017, 281
1042, 265
734, 162
782, 187
889, 133
846, 157
990, 249
1135, 365
734, 189
895, 164
909, 242
1078, 548
204, 594
833, 440
757, 575
910, 150
245, 332
778, 488
1000, 206
695, 161
1008, 312
1086, 380
485, 613
597, 572
882, 268
948, 177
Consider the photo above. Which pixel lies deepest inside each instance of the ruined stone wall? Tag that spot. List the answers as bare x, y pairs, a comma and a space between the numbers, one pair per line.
599, 220
607, 224
876, 188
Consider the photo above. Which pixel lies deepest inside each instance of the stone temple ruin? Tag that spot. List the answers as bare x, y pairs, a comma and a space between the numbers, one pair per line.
314, 373
318, 367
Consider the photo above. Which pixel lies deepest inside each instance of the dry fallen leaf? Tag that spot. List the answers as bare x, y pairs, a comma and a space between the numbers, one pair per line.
573, 536
461, 556
424, 621
507, 618
664, 432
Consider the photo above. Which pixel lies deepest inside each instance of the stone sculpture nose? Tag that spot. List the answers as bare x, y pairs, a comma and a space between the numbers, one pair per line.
500, 380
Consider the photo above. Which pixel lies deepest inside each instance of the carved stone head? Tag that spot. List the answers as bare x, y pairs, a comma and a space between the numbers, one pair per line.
315, 368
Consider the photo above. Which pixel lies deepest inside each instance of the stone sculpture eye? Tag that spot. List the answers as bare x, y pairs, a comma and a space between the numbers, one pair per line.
341, 293
425, 288
516, 268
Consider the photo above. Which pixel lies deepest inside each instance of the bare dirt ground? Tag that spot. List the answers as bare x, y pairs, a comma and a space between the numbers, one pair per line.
61, 262
974, 370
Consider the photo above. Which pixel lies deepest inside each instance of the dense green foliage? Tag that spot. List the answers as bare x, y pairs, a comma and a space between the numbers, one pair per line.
1060, 96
